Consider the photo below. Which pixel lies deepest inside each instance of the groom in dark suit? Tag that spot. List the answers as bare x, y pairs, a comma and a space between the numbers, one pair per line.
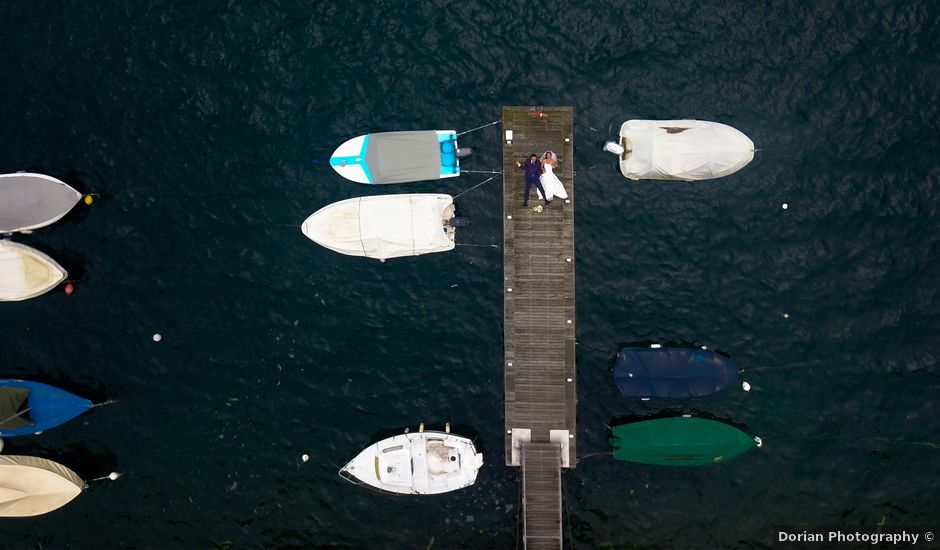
533, 170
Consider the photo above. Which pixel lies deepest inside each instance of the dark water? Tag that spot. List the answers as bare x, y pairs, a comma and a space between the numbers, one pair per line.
197, 124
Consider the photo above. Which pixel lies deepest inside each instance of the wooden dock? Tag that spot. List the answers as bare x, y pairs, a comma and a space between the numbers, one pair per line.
539, 319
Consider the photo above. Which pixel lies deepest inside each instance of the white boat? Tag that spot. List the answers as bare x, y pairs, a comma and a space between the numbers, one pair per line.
30, 201
385, 226
31, 486
26, 272
399, 157
423, 463
685, 150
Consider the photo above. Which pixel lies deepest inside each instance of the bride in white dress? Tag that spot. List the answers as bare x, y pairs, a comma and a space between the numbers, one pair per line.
550, 182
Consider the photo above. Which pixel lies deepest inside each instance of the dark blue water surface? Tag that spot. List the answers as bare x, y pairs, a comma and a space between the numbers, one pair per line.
198, 123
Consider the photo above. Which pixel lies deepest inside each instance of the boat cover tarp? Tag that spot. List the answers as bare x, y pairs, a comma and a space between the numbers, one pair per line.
12, 404
29, 201
678, 441
399, 157
672, 372
384, 226
683, 149
31, 486
48, 407
26, 272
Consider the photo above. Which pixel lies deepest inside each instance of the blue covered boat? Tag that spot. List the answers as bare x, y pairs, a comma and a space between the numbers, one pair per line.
32, 407
672, 372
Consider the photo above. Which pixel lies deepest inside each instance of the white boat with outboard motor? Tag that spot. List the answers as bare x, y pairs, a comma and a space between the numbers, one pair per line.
399, 157
29, 201
422, 463
386, 226
686, 150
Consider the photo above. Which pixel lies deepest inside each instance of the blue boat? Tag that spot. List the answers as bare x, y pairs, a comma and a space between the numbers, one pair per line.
672, 372
31, 407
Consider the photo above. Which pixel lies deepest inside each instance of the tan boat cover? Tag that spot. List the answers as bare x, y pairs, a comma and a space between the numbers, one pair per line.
31, 486
26, 272
384, 226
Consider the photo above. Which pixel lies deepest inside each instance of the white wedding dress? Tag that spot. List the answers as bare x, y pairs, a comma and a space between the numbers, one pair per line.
552, 185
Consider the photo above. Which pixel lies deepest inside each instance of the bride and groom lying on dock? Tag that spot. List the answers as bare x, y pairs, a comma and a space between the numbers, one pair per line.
541, 174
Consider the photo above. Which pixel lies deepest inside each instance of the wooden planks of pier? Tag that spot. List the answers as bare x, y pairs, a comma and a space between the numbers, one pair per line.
539, 319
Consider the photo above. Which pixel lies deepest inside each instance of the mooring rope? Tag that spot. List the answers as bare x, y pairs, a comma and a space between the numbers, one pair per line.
480, 127
477, 185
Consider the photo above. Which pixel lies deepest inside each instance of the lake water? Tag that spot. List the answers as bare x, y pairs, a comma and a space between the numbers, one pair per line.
199, 125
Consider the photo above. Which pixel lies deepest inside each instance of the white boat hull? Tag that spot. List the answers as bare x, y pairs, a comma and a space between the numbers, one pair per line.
29, 201
26, 272
686, 150
423, 463
385, 226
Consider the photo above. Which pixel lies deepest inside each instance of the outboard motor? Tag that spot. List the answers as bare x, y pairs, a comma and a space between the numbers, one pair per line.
464, 152
615, 148
459, 222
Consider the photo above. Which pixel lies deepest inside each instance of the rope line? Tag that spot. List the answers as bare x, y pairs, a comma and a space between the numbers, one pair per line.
480, 127
477, 185
9, 418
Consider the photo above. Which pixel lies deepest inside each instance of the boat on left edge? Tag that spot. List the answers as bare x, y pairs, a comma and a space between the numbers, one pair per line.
31, 486
29, 201
26, 272
28, 407
423, 463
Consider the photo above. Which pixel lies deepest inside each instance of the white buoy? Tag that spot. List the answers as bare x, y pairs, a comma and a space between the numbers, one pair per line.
786, 315
157, 337
758, 441
112, 476
745, 386
305, 457
785, 206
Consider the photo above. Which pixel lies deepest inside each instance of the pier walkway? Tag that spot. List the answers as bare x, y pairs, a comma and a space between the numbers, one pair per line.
539, 320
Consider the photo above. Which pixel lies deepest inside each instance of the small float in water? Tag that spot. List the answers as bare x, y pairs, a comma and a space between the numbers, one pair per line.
386, 226
679, 441
686, 150
31, 486
423, 463
31, 407
26, 272
399, 157
672, 372
29, 201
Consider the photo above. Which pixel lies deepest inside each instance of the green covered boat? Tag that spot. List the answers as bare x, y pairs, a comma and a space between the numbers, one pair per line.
679, 441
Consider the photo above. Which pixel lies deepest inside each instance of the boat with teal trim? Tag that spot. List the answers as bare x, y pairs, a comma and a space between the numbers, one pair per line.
399, 157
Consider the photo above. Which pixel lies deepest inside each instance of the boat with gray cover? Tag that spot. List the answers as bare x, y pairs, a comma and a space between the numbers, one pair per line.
29, 201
